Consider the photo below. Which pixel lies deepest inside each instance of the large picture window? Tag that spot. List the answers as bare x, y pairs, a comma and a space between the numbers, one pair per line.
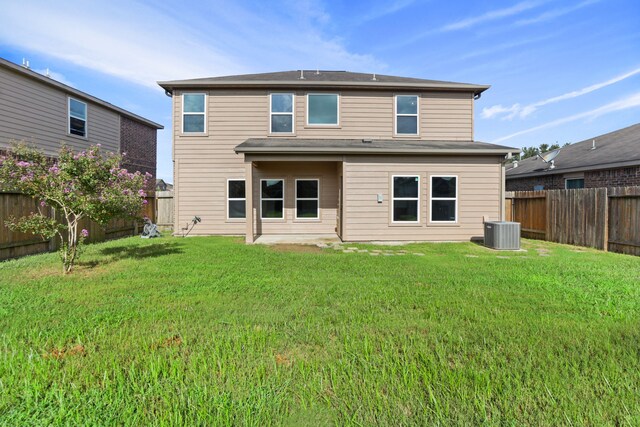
406, 198
271, 198
282, 112
444, 199
236, 199
406, 114
193, 113
322, 109
307, 198
77, 118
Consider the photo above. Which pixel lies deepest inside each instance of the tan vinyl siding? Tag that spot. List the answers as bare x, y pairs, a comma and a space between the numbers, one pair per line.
37, 113
365, 219
205, 162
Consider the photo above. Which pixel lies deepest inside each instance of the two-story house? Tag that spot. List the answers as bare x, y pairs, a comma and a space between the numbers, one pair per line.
46, 113
361, 156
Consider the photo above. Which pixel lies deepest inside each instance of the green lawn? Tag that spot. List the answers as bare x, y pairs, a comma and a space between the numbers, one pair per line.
211, 331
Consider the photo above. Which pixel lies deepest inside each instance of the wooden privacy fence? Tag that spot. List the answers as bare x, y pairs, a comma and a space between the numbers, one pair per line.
164, 210
13, 245
602, 218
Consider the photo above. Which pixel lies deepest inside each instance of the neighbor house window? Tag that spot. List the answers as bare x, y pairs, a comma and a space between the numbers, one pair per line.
322, 109
444, 198
77, 117
406, 114
193, 113
574, 183
236, 199
272, 198
406, 198
282, 113
307, 198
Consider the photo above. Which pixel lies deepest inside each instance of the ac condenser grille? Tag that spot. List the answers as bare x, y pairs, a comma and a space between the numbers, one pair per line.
502, 235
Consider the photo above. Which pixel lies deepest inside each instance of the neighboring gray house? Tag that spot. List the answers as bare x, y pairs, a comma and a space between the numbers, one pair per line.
609, 160
358, 156
161, 185
46, 113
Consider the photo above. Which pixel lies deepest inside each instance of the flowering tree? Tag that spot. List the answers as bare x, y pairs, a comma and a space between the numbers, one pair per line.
88, 184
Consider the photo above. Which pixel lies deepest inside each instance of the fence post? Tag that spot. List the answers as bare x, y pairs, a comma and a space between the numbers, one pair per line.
605, 233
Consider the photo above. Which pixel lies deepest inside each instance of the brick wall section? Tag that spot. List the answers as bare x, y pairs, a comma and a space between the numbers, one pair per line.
550, 182
139, 141
622, 177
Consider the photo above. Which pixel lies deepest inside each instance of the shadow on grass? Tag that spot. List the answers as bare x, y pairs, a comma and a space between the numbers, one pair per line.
117, 253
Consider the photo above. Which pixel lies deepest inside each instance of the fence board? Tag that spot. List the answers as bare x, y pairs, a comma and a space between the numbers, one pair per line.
14, 244
602, 218
164, 209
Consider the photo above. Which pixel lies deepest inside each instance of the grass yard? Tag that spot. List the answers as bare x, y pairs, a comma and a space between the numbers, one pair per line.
210, 331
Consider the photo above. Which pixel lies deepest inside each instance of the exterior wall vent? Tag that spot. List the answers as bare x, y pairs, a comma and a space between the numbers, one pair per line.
502, 235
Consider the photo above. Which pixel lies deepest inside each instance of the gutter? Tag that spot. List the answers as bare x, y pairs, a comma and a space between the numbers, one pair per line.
368, 150
170, 86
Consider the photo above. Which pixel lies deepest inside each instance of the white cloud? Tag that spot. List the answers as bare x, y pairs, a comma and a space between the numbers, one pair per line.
388, 9
509, 113
55, 76
145, 43
554, 13
490, 16
632, 101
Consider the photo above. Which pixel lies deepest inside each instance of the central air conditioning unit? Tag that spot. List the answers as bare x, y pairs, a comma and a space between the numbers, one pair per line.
502, 235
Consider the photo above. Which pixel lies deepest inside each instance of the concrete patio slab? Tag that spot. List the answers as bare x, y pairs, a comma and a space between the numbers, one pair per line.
297, 239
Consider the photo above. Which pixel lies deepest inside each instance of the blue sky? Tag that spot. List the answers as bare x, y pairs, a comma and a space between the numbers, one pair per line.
560, 70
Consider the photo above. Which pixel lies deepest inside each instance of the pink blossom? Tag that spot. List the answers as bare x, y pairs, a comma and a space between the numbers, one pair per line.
141, 193
145, 202
84, 232
23, 164
43, 204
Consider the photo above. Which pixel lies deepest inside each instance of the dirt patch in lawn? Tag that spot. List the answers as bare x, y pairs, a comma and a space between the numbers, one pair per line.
296, 248
61, 353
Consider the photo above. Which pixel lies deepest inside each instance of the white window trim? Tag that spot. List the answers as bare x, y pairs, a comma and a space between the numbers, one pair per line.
572, 179
307, 218
396, 115
293, 113
393, 199
86, 119
431, 198
271, 198
191, 113
237, 199
337, 111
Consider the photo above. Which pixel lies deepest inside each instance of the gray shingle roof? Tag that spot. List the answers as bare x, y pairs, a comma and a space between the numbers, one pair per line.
320, 78
615, 149
358, 146
75, 92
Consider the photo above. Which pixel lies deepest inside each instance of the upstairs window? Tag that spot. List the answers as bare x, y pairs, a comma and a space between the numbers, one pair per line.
444, 199
406, 198
236, 199
406, 114
77, 118
282, 113
193, 112
322, 109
